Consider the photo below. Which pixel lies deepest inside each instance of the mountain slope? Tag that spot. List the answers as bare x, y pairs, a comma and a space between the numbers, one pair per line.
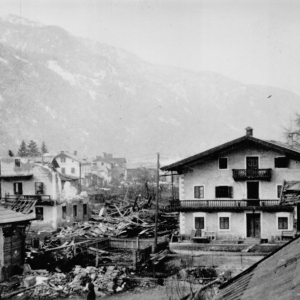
77, 94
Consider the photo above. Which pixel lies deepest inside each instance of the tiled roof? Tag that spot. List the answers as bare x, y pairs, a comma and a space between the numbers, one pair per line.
290, 193
10, 216
275, 277
295, 151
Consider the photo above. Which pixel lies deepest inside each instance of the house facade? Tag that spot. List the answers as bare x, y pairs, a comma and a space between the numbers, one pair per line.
57, 202
234, 189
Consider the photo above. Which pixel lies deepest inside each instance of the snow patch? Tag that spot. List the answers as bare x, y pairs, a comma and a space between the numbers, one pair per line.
128, 88
84, 132
93, 94
52, 65
19, 58
51, 112
34, 121
101, 74
163, 120
3, 61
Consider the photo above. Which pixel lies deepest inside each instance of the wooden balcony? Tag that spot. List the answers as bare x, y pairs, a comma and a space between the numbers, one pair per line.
246, 174
227, 205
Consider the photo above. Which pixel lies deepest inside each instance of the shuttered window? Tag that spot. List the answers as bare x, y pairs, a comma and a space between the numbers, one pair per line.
199, 222
223, 163
281, 162
199, 192
282, 223
224, 222
224, 192
18, 188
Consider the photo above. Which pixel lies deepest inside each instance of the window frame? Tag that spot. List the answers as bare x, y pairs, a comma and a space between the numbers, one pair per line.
226, 163
195, 186
224, 215
278, 185
15, 184
229, 192
38, 214
75, 211
64, 212
62, 159
283, 215
73, 170
63, 170
278, 157
199, 215
35, 188
84, 209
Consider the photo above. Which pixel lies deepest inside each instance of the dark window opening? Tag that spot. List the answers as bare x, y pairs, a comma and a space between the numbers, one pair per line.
39, 213
39, 188
63, 170
74, 211
223, 163
64, 212
279, 189
199, 192
84, 209
199, 222
252, 163
281, 162
17, 162
283, 223
224, 191
224, 222
73, 170
18, 188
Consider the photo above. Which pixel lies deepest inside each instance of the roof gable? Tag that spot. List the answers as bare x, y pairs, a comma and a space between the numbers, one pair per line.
277, 146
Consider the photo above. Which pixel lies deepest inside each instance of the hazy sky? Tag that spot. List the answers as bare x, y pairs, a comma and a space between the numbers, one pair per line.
250, 41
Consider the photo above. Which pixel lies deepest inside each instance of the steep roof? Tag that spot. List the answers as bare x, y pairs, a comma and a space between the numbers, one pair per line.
274, 145
74, 157
274, 277
10, 216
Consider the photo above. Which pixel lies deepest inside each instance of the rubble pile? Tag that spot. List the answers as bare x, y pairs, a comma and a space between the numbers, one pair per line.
106, 279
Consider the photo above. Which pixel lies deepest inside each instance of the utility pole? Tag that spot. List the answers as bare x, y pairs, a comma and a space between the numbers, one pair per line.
79, 177
157, 196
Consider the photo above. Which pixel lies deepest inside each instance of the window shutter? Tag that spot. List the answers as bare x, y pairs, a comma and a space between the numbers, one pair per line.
217, 192
230, 192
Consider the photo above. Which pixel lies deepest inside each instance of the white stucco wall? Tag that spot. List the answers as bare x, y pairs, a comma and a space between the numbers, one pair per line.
208, 175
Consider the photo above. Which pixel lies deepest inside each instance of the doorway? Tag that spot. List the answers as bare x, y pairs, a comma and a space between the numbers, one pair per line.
253, 190
253, 225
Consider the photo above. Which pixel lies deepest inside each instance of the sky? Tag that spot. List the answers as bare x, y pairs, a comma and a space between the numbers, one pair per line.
254, 42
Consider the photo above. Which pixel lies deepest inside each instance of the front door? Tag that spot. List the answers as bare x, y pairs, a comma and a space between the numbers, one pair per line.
253, 190
253, 225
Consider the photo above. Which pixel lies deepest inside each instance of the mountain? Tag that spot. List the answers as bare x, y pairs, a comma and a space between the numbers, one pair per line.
78, 94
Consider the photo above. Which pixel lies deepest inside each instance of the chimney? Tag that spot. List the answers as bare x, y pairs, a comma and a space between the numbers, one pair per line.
75, 152
290, 139
249, 131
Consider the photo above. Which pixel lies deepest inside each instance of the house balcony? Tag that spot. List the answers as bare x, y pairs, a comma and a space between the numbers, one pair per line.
40, 199
248, 174
227, 205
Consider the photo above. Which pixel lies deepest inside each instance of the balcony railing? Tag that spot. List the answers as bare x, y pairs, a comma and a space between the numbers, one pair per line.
244, 174
176, 204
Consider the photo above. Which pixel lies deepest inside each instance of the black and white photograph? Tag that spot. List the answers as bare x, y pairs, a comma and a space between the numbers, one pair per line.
149, 149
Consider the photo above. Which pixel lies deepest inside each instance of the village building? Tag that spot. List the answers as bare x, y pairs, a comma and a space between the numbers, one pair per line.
13, 228
234, 190
56, 195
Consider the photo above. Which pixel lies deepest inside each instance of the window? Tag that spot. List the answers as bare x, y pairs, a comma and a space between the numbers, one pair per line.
199, 192
63, 159
18, 188
63, 170
223, 164
224, 223
199, 222
39, 213
73, 170
39, 188
224, 192
74, 211
281, 162
282, 223
84, 209
64, 212
279, 189
17, 162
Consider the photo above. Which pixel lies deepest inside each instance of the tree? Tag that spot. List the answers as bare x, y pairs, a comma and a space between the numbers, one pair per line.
44, 148
10, 153
33, 149
292, 132
23, 151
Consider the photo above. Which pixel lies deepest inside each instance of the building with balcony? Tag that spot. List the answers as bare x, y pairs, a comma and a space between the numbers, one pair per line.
234, 189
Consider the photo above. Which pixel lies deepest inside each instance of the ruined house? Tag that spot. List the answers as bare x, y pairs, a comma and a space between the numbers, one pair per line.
57, 200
